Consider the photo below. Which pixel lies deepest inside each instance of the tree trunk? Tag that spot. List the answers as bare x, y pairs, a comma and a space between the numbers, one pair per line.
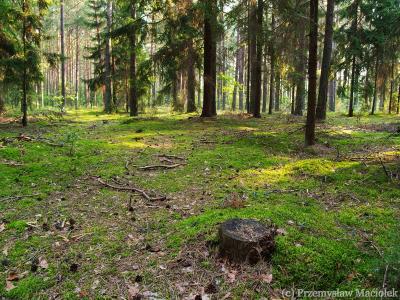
352, 88
77, 69
272, 75
241, 75
312, 74
301, 71
375, 85
210, 58
278, 91
235, 88
326, 62
391, 88
107, 61
265, 86
63, 93
191, 84
256, 13
133, 101
332, 95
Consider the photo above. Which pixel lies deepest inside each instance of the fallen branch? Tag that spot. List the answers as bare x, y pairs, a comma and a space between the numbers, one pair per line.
153, 167
384, 279
171, 156
132, 189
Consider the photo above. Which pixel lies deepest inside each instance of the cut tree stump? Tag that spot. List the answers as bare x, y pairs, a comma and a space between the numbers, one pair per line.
244, 240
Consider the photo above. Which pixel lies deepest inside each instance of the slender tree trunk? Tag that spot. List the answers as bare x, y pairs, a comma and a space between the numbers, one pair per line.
352, 88
272, 75
391, 88
191, 84
210, 58
265, 85
326, 62
332, 94
133, 101
398, 101
77, 69
241, 75
107, 62
63, 93
312, 74
235, 88
301, 67
278, 91
375, 85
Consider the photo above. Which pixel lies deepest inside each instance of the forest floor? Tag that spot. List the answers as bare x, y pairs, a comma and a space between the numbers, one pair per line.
65, 235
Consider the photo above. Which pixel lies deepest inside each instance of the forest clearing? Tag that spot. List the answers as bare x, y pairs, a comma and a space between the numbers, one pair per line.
336, 208
199, 149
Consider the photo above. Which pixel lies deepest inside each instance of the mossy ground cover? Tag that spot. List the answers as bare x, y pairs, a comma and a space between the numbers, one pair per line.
335, 204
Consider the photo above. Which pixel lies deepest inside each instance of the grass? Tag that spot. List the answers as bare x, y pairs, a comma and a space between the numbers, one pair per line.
340, 212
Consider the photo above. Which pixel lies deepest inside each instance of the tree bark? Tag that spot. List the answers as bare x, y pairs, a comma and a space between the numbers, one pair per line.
235, 88
391, 88
107, 62
326, 62
191, 84
312, 74
256, 55
133, 101
272, 75
77, 68
210, 57
63, 93
375, 85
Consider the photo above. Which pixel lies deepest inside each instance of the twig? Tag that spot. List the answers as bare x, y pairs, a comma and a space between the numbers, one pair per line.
131, 189
171, 156
384, 169
384, 280
160, 167
18, 197
11, 163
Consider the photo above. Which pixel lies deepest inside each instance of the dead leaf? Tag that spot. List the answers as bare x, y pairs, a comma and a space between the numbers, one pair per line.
2, 227
232, 276
281, 231
9, 286
12, 276
133, 292
43, 263
266, 278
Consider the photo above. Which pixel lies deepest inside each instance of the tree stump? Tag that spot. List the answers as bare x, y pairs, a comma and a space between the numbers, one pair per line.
246, 240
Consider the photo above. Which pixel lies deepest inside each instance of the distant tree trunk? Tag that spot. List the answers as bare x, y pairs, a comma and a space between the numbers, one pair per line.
312, 74
191, 80
241, 76
24, 102
63, 93
210, 58
77, 68
278, 91
398, 101
272, 74
2, 105
332, 95
352, 88
326, 62
301, 73
391, 88
235, 88
256, 55
375, 85
107, 61
265, 86
133, 101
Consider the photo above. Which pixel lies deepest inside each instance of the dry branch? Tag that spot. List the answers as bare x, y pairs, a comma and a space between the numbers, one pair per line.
131, 189
153, 167
171, 156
